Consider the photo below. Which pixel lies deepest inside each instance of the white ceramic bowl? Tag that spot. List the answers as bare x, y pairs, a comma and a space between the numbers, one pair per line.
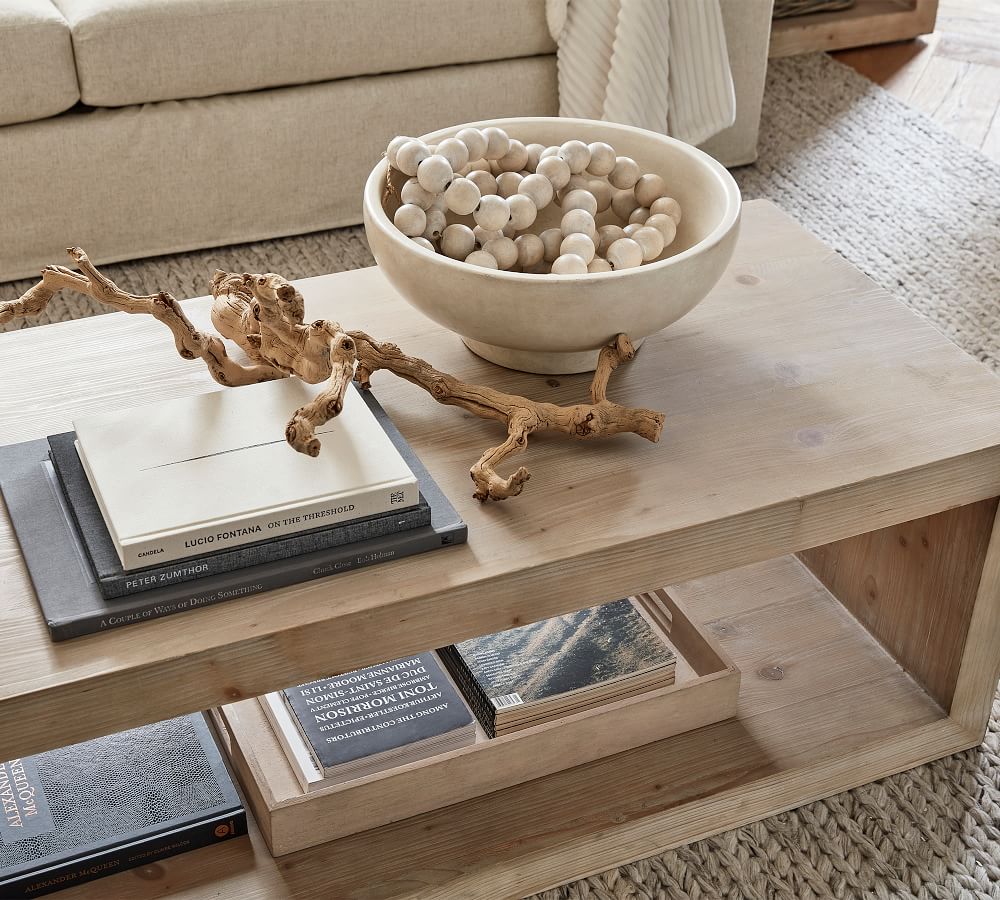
555, 324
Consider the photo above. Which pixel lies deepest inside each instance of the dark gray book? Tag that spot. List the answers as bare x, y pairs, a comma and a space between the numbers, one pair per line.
92, 809
383, 715
66, 588
560, 665
114, 581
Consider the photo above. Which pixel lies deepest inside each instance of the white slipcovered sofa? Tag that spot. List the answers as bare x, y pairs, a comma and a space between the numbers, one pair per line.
141, 127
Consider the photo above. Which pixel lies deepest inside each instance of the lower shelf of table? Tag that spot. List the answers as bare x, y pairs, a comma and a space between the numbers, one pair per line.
823, 707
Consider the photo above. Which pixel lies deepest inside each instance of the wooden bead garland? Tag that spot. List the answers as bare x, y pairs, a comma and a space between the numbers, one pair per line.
503, 184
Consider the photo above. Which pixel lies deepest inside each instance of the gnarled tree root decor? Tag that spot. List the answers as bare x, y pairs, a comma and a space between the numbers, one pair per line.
263, 314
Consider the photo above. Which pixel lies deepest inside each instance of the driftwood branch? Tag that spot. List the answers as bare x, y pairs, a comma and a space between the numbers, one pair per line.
263, 315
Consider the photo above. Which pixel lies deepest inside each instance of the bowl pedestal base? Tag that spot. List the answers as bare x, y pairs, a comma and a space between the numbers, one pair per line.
539, 362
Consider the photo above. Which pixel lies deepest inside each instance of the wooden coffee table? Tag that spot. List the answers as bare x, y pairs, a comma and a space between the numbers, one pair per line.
823, 499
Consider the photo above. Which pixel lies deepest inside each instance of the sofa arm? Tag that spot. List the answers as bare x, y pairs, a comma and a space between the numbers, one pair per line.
748, 34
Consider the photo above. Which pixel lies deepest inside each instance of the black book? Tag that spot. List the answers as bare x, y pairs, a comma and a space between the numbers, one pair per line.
112, 579
92, 809
379, 717
66, 587
517, 678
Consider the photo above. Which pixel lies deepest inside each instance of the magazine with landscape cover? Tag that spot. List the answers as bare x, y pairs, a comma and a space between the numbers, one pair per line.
523, 676
370, 720
125, 800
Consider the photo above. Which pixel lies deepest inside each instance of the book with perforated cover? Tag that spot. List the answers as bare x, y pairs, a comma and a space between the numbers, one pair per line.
556, 667
200, 474
88, 810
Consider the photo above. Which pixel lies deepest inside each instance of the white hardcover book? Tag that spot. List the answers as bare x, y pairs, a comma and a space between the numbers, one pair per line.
185, 477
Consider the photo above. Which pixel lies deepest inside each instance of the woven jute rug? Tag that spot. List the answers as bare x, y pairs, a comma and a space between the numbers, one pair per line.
920, 213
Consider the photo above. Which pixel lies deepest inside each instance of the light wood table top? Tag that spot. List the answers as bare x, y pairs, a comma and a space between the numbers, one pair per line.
803, 403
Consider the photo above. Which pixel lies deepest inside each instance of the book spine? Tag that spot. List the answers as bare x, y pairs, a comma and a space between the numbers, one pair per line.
368, 528
268, 577
127, 856
470, 688
156, 549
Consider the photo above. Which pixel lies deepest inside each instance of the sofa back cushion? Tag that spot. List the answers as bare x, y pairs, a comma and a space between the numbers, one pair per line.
136, 51
37, 75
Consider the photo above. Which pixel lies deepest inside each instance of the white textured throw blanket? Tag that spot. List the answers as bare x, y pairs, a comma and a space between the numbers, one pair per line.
656, 64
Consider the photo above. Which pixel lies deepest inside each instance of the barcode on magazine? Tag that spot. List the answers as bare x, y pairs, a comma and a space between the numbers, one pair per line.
506, 700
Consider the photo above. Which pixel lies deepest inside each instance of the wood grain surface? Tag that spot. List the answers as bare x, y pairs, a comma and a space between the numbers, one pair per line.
804, 405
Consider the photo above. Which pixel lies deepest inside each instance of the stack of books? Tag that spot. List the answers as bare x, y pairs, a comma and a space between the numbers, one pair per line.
338, 729
113, 803
145, 512
560, 666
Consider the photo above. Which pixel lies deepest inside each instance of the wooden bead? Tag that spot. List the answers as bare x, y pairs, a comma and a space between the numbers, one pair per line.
623, 203
458, 241
541, 268
606, 236
667, 206
423, 242
410, 156
632, 228
410, 219
599, 265
649, 188
579, 245
551, 241
624, 254
503, 250
412, 192
576, 154
556, 170
547, 152
480, 165
486, 183
625, 173
481, 258
639, 215
580, 199
522, 211
483, 235
462, 196
651, 241
534, 154
569, 264
602, 159
665, 225
530, 250
507, 183
509, 230
436, 224
492, 213
438, 203
475, 142
538, 188
515, 159
577, 183
579, 220
393, 149
602, 193
497, 143
453, 150
435, 174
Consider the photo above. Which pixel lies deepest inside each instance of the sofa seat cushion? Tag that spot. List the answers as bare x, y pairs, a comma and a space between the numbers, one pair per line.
137, 51
37, 74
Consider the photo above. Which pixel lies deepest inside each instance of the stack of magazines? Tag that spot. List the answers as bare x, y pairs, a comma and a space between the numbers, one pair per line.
144, 512
375, 719
557, 667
